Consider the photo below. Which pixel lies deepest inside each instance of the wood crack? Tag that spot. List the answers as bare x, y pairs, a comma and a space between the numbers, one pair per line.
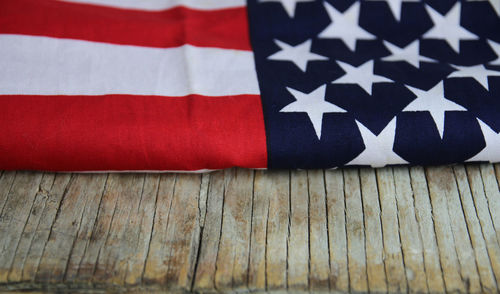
152, 229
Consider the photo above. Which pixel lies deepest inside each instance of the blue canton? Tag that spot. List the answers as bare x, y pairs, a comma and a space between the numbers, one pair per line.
377, 82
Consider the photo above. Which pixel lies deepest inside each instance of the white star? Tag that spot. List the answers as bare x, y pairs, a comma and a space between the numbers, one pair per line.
288, 5
491, 152
496, 48
345, 26
410, 54
448, 27
362, 75
378, 149
477, 72
435, 103
395, 6
313, 104
494, 3
300, 54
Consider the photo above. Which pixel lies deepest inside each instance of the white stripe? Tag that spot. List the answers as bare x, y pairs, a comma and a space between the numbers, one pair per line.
51, 66
153, 5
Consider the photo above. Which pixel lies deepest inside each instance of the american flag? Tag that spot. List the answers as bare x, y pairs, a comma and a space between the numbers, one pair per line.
93, 85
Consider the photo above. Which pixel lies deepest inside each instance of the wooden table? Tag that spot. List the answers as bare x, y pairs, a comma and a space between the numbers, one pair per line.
398, 229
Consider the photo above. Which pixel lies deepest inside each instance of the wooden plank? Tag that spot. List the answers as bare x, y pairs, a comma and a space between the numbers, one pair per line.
497, 172
451, 230
257, 278
183, 233
93, 186
113, 257
156, 267
205, 272
6, 181
491, 187
15, 213
477, 178
234, 248
319, 274
411, 241
96, 215
275, 185
298, 239
423, 214
15, 274
337, 235
394, 264
492, 192
377, 280
124, 253
356, 253
181, 237
63, 232
483, 263
141, 227
43, 212
203, 198
460, 231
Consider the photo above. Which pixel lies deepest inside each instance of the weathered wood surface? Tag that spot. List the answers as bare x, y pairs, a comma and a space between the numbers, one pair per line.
395, 229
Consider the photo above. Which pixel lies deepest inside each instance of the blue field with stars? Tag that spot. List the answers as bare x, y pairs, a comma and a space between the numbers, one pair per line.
377, 82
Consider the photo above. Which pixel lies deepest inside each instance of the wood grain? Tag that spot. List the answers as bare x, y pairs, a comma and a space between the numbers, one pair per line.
360, 230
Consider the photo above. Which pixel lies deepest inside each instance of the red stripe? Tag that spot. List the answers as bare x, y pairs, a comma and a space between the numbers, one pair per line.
224, 28
124, 132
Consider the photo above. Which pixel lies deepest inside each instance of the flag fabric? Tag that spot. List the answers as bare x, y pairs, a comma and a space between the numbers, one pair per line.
192, 85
